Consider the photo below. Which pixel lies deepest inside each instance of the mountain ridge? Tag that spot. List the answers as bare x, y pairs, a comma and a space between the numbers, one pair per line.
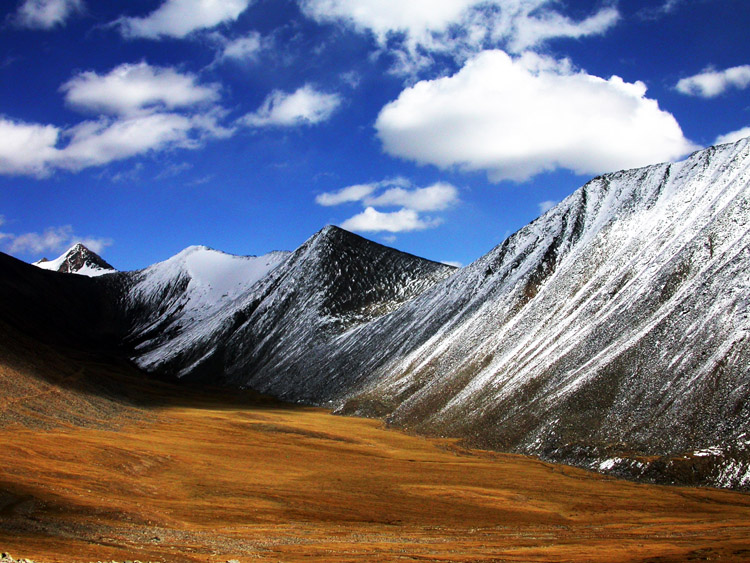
422, 387
611, 332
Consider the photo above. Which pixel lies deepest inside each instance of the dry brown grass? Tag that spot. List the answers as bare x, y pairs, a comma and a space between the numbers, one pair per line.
166, 474
206, 481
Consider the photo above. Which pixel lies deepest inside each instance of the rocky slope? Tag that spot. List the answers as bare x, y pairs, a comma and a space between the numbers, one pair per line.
613, 328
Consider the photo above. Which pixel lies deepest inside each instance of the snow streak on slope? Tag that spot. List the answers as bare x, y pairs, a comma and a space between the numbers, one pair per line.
618, 321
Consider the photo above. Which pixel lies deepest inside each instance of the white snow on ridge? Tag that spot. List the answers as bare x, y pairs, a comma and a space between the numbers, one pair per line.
93, 272
53, 265
217, 284
214, 275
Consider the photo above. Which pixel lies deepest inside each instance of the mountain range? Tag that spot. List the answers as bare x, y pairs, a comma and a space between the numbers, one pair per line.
611, 333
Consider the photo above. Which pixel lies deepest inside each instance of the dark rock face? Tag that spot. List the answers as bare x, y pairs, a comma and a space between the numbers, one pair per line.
80, 257
78, 312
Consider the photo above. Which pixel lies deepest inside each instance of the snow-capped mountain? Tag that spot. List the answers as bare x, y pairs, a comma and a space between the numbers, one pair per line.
614, 327
77, 260
253, 320
613, 332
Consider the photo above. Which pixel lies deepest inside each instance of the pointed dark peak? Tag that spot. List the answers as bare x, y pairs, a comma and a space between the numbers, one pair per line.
333, 237
77, 259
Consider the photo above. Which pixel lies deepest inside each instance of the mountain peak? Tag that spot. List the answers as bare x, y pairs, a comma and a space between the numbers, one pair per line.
77, 260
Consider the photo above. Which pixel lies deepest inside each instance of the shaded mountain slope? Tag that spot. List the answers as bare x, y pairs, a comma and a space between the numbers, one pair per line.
80, 312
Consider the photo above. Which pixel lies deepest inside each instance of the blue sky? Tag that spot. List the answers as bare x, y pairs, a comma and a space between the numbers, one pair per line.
437, 127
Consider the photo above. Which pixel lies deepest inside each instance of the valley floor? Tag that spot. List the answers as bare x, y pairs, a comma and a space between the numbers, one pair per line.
212, 478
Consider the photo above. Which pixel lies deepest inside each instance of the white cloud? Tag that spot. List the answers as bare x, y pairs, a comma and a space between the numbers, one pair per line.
93, 143
394, 192
26, 148
372, 220
306, 106
452, 263
458, 27
32, 149
46, 14
437, 197
711, 83
345, 195
53, 239
657, 12
137, 99
732, 137
517, 117
178, 18
533, 31
131, 88
245, 48
416, 17
545, 206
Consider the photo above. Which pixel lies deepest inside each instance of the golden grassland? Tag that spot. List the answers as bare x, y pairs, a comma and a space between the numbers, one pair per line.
183, 476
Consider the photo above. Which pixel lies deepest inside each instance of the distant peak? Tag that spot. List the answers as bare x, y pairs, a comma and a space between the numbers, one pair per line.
77, 260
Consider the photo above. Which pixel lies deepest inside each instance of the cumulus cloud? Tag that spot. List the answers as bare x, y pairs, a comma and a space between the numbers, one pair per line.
306, 106
134, 103
46, 14
345, 195
733, 136
711, 83
395, 192
36, 150
93, 143
372, 220
533, 31
26, 148
178, 18
437, 197
460, 27
246, 48
131, 88
517, 117
53, 239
